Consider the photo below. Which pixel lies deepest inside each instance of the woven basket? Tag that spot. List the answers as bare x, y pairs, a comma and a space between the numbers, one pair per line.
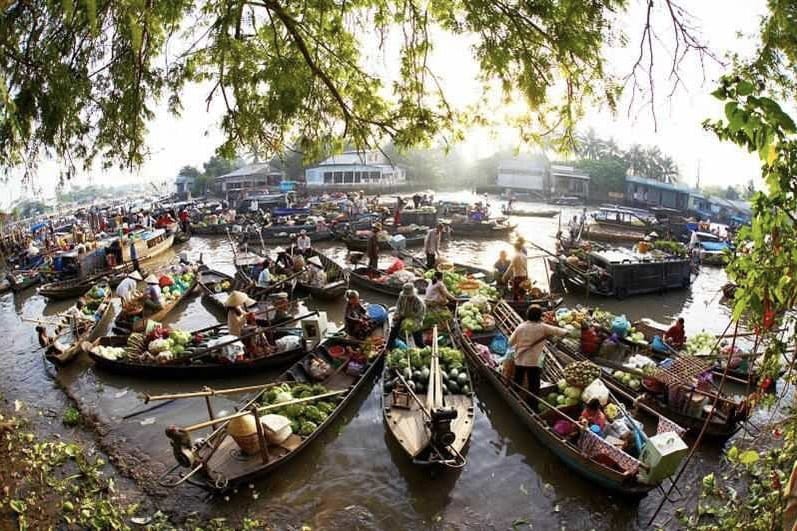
249, 444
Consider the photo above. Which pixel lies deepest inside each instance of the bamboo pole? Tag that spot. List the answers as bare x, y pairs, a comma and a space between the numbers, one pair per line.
210, 392
207, 423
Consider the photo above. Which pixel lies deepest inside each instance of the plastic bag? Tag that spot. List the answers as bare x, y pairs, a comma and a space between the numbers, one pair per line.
289, 342
598, 390
658, 345
499, 344
620, 326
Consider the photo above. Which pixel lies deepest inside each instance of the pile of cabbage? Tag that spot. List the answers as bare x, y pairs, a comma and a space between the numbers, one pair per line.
305, 417
454, 282
700, 344
175, 343
180, 284
475, 314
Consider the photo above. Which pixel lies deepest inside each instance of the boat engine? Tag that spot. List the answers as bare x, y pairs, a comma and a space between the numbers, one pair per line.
181, 447
441, 426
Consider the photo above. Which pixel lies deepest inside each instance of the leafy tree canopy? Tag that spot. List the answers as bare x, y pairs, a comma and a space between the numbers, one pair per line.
80, 78
188, 171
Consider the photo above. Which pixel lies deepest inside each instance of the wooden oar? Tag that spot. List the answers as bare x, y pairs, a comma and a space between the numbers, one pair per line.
263, 409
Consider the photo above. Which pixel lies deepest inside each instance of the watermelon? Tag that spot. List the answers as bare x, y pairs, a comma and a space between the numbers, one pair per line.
462, 378
453, 386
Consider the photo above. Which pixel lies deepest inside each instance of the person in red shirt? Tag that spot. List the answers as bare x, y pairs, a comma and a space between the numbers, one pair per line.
593, 415
589, 339
676, 336
184, 219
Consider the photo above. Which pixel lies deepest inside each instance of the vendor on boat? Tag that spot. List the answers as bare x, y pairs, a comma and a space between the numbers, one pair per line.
437, 293
590, 341
408, 306
593, 418
237, 316
314, 274
372, 250
517, 272
431, 245
264, 276
153, 299
51, 344
500, 267
675, 336
284, 262
528, 340
126, 290
357, 322
303, 243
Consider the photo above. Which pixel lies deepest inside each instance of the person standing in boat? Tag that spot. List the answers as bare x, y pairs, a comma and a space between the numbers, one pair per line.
675, 336
528, 340
517, 272
237, 316
126, 290
397, 212
356, 321
573, 227
372, 250
431, 245
134, 256
408, 306
303, 243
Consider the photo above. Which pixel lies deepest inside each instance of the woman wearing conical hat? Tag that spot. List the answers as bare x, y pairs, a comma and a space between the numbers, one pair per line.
237, 315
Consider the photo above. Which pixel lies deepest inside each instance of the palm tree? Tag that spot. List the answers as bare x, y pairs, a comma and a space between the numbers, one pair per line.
635, 157
589, 146
669, 170
653, 158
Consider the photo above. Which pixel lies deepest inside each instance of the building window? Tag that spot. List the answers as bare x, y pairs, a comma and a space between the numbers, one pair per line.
357, 177
348, 177
328, 178
375, 176
338, 177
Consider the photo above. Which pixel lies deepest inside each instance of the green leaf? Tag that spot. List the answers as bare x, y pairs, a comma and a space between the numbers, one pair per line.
18, 506
748, 457
744, 88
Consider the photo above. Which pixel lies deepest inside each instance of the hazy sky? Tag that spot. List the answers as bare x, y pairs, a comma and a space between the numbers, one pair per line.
192, 138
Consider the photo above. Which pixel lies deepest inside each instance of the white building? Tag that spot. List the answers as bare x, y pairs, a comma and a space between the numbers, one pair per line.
248, 180
353, 169
524, 174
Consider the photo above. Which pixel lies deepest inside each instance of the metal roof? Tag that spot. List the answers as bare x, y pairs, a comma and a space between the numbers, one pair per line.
652, 183
251, 169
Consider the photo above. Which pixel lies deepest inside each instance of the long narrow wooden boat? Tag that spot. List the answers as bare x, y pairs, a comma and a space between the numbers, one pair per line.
285, 238
363, 277
148, 244
337, 279
531, 213
431, 428
217, 461
604, 233
126, 323
219, 229
196, 362
354, 243
24, 280
490, 228
73, 288
583, 455
84, 330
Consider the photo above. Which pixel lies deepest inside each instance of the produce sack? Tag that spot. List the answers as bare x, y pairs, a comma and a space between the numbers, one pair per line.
508, 368
658, 345
598, 390
287, 343
563, 427
620, 326
499, 344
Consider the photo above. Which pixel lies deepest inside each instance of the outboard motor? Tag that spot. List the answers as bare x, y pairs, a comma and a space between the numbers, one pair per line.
441, 426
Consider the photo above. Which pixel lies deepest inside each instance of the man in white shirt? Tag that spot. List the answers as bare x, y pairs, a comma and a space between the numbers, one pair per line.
431, 245
264, 278
303, 243
127, 287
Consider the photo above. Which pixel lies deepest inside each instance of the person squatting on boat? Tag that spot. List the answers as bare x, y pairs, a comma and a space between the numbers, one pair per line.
408, 306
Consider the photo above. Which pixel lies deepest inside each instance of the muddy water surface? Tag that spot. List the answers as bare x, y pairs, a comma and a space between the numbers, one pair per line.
354, 476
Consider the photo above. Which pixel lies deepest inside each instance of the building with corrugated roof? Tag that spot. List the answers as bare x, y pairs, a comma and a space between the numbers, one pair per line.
355, 169
248, 180
645, 193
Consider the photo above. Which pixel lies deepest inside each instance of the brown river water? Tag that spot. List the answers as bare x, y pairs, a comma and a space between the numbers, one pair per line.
354, 476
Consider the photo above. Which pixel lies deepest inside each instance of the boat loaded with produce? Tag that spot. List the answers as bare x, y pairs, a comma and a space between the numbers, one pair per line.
623, 457
175, 284
280, 420
211, 352
428, 404
678, 386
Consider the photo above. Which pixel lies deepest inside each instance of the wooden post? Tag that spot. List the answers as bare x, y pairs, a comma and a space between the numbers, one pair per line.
211, 416
261, 437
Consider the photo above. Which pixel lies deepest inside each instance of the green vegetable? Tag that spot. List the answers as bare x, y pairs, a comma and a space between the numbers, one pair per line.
462, 378
307, 427
453, 386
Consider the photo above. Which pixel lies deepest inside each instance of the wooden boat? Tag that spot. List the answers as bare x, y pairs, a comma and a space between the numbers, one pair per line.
73, 288
583, 455
337, 279
23, 280
181, 237
284, 238
611, 234
457, 267
83, 330
126, 322
197, 361
651, 328
219, 463
364, 277
219, 229
491, 228
148, 244
547, 302
354, 243
530, 213
432, 427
